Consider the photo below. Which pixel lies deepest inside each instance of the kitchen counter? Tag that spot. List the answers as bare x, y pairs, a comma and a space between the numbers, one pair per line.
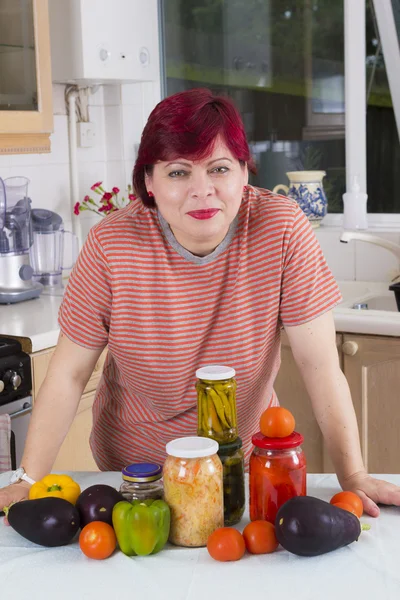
36, 320
365, 569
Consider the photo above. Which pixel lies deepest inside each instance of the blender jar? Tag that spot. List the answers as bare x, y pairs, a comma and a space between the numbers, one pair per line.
47, 254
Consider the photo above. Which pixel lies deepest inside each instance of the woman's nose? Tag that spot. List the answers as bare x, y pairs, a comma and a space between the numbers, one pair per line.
201, 185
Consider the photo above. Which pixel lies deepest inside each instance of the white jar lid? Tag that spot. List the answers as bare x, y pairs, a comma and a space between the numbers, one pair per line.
192, 447
215, 373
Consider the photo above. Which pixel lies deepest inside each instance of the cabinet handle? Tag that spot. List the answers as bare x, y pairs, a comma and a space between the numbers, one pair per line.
350, 348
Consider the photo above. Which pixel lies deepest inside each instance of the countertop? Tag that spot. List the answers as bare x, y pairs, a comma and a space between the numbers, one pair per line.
36, 320
368, 568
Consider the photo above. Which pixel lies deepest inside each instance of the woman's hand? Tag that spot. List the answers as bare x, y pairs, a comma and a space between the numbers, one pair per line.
372, 491
14, 493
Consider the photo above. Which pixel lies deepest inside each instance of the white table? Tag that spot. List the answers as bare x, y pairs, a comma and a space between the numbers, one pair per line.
367, 569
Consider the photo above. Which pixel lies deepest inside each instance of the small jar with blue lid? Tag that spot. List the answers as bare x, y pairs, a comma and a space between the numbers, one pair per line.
142, 481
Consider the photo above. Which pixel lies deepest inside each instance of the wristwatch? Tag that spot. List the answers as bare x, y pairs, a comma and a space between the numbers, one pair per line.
20, 475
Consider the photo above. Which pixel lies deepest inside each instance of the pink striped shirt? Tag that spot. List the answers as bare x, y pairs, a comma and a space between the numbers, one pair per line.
164, 312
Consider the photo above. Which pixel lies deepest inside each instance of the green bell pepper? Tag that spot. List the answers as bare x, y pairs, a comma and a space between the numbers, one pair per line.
141, 527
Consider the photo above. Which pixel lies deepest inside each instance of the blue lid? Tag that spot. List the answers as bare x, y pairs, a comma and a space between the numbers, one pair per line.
142, 472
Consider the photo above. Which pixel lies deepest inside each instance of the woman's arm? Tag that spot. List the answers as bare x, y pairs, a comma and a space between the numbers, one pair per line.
54, 410
314, 349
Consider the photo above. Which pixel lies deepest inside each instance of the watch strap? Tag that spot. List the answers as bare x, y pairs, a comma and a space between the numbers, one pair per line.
28, 479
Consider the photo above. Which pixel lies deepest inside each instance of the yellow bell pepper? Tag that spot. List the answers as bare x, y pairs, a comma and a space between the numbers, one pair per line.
58, 486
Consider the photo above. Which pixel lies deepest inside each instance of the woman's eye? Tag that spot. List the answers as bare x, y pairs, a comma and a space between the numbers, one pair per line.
177, 173
220, 170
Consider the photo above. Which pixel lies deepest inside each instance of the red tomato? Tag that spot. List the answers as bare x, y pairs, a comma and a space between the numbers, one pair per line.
260, 538
349, 498
226, 543
345, 506
277, 421
97, 540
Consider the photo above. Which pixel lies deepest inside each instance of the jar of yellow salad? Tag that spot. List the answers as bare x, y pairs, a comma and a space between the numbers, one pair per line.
193, 489
216, 403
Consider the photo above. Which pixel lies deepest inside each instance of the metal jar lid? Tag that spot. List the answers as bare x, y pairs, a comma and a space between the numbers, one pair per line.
142, 472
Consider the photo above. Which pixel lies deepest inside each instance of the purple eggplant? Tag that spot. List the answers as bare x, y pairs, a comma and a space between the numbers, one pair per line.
96, 503
45, 521
308, 526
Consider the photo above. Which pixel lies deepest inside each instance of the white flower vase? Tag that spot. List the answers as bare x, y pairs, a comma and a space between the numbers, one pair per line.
307, 189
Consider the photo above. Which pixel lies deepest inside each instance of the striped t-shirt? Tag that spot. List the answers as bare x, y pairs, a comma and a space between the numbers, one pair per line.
164, 312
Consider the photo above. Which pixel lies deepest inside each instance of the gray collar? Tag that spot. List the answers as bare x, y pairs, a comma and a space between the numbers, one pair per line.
197, 260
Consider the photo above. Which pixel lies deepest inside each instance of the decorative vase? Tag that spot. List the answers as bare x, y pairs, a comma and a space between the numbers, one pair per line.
307, 189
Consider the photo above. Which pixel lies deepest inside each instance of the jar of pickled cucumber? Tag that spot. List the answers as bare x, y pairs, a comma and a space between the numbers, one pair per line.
232, 458
216, 403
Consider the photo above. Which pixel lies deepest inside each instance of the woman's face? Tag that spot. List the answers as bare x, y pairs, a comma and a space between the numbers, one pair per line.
199, 200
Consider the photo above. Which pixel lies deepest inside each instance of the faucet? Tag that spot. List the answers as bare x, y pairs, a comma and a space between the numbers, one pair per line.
347, 236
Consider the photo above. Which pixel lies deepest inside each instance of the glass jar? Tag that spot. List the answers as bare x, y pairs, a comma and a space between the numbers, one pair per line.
232, 458
277, 472
216, 403
142, 481
193, 489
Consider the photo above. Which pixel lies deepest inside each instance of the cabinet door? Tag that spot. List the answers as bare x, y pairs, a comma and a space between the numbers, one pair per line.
372, 369
75, 453
26, 115
293, 395
40, 364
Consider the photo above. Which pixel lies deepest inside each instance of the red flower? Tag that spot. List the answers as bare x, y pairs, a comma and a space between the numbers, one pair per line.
115, 190
76, 208
96, 185
132, 197
86, 199
107, 196
102, 208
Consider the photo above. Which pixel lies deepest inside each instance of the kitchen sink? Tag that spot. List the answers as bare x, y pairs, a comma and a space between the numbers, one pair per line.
385, 302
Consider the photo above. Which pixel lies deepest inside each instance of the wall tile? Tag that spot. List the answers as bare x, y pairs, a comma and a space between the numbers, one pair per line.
340, 257
49, 187
97, 99
374, 263
116, 176
132, 129
90, 173
113, 132
59, 106
98, 152
112, 95
5, 162
132, 93
151, 97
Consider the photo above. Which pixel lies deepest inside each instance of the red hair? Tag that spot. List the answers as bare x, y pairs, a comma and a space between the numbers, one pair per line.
186, 125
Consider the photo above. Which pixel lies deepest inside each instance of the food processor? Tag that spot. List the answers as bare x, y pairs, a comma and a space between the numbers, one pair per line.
16, 283
50, 254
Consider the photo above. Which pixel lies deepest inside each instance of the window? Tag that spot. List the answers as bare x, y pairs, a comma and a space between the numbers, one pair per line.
282, 62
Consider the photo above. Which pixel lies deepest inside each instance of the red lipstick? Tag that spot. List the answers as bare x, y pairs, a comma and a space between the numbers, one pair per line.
207, 213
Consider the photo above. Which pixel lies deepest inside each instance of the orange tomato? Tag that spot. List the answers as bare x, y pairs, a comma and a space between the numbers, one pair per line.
97, 540
226, 543
260, 538
345, 506
277, 421
349, 498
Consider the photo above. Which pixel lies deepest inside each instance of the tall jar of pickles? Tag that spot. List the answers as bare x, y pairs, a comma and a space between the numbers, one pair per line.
193, 490
216, 403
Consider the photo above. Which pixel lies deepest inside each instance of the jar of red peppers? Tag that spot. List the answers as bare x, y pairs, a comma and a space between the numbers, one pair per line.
277, 472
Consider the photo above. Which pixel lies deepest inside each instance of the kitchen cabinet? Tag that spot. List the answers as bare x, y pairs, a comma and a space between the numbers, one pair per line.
26, 112
75, 452
293, 395
372, 368
371, 365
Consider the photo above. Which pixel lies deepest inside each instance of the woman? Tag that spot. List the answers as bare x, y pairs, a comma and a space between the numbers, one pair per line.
201, 269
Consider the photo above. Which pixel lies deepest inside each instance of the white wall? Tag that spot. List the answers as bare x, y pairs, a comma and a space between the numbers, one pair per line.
120, 113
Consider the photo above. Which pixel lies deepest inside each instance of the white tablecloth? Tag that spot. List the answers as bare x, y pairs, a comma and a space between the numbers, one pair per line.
367, 569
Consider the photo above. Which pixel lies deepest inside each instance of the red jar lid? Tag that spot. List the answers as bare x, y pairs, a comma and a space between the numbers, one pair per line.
291, 441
